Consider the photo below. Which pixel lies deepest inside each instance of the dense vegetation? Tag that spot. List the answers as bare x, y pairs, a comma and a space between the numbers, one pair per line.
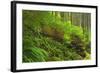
56, 36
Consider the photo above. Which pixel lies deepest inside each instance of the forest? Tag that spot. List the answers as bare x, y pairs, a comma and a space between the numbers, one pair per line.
56, 36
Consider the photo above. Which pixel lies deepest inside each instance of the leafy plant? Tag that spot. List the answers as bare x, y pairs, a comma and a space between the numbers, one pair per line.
34, 54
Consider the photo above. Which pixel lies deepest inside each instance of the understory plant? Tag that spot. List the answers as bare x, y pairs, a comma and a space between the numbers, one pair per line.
48, 38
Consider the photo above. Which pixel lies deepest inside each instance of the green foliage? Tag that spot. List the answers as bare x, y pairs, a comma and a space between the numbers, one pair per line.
76, 30
54, 59
87, 56
34, 54
47, 38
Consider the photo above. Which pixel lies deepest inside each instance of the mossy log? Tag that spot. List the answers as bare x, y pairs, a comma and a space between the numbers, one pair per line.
52, 32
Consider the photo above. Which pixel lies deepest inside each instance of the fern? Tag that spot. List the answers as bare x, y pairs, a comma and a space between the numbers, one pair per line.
34, 55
